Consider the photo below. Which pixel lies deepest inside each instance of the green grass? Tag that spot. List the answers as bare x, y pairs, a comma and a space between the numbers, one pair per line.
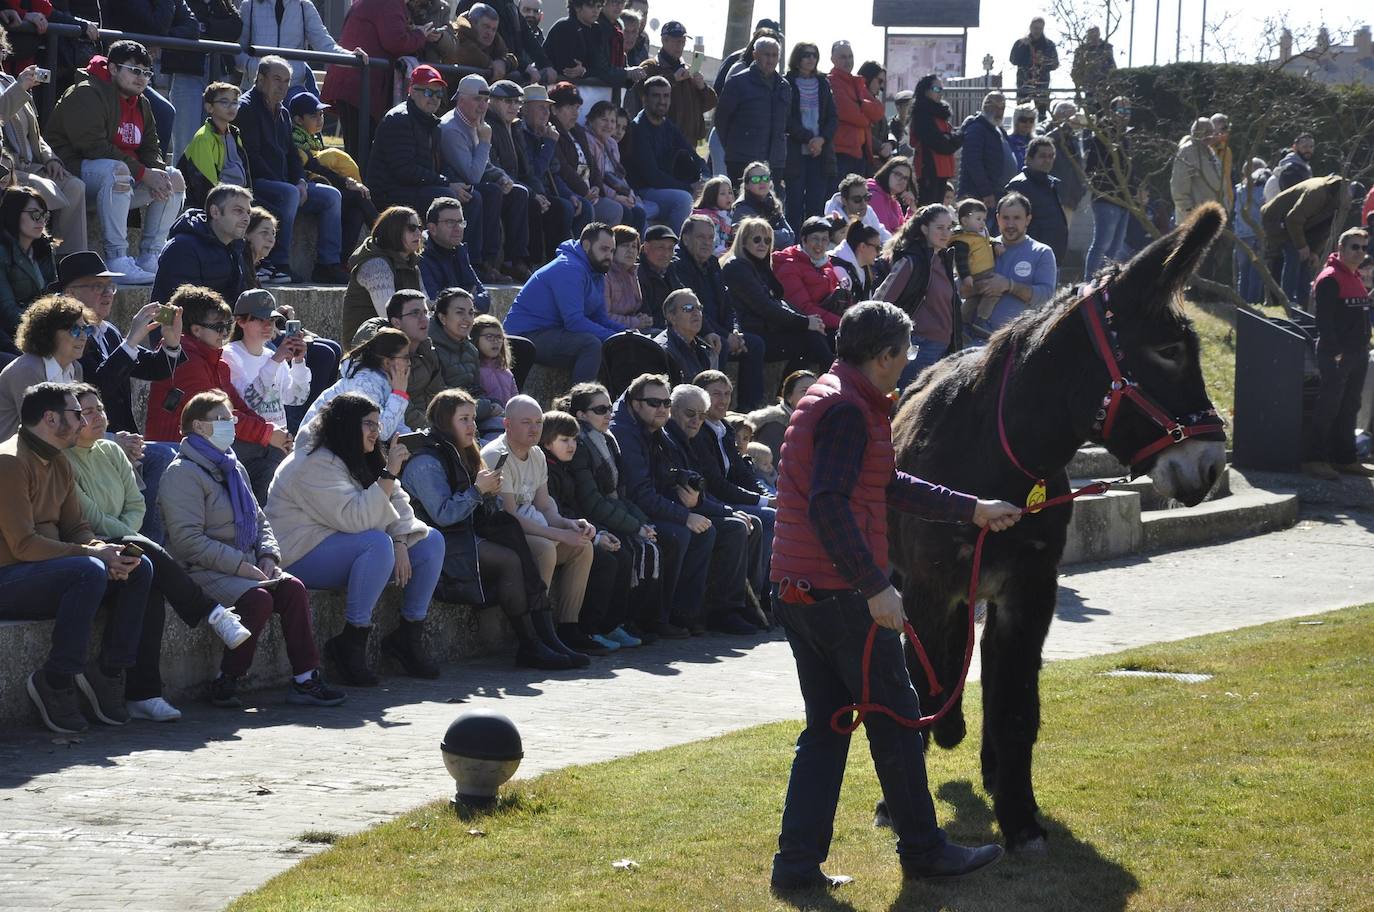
1254, 790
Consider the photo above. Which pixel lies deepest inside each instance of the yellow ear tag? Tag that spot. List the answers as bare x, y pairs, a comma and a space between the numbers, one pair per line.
1036, 496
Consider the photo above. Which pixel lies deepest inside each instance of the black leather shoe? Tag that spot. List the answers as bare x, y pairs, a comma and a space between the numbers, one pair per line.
819, 881
952, 861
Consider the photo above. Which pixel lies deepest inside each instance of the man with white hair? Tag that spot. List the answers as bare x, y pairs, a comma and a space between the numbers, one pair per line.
1196, 174
738, 535
751, 114
988, 162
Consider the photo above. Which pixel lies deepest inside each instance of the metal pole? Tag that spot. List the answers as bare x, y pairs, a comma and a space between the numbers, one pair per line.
782, 17
1155, 62
963, 59
1130, 50
1202, 54
1178, 34
365, 115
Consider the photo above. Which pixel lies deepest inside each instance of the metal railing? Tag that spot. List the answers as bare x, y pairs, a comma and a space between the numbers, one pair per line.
47, 92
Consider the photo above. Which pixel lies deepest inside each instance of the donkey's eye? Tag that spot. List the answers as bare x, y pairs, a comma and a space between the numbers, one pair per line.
1173, 352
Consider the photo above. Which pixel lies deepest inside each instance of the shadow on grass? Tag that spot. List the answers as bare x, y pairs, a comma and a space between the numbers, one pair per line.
1071, 876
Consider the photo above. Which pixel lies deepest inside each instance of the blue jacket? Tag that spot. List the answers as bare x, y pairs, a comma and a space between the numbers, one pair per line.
646, 464
565, 294
195, 256
1048, 224
751, 118
987, 163
653, 148
539, 155
267, 140
443, 268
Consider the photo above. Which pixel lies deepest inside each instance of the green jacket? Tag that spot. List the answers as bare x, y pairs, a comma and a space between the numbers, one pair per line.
203, 161
110, 499
358, 306
460, 363
82, 127
22, 280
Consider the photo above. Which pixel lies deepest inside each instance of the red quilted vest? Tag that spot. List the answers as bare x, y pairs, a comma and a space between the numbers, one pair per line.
797, 550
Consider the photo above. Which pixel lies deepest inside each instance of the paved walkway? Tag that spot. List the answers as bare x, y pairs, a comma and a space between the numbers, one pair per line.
187, 816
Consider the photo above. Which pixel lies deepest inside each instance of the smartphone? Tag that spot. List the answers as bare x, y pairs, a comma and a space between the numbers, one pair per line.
172, 400
166, 315
500, 462
42, 75
413, 441
696, 62
293, 327
132, 550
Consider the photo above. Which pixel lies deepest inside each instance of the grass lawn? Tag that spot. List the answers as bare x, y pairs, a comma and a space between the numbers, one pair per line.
1254, 790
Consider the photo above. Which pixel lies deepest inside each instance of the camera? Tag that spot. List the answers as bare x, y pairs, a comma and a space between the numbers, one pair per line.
686, 478
42, 75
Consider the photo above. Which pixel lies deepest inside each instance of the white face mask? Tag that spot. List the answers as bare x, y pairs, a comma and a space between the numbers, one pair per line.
223, 434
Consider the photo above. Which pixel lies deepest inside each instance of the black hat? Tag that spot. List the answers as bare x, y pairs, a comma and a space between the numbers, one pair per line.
673, 29
659, 233
768, 24
305, 103
82, 265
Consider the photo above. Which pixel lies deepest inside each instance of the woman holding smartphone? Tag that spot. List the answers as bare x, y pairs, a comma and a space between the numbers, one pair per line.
267, 380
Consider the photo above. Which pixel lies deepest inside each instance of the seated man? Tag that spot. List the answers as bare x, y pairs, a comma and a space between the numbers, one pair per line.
258, 444
688, 353
465, 145
686, 538
404, 167
737, 537
51, 567
206, 246
698, 269
279, 183
408, 311
536, 141
657, 278
729, 477
562, 308
556, 541
664, 167
102, 129
444, 262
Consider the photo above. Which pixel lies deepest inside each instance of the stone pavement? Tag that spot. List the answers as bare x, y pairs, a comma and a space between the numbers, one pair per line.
187, 816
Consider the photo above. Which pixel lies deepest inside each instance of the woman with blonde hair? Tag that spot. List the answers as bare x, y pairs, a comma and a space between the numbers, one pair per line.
792, 336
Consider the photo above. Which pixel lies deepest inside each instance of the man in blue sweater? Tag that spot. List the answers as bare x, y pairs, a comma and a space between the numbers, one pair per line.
663, 167
562, 308
1026, 270
279, 180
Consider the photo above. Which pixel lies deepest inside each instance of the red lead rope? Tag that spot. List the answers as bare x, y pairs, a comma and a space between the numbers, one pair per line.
866, 705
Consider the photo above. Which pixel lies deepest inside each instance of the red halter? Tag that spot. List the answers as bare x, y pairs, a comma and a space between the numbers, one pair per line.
1097, 314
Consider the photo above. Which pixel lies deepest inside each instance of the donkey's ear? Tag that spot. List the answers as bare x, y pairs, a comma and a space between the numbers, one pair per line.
1160, 269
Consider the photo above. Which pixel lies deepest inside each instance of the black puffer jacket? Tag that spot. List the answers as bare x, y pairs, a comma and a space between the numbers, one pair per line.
405, 153
761, 308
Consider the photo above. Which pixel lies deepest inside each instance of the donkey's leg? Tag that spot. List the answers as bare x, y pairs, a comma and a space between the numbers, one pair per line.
926, 608
1011, 662
948, 664
988, 748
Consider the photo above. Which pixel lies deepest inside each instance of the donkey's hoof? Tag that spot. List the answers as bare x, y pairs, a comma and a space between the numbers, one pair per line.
880, 816
1035, 847
950, 731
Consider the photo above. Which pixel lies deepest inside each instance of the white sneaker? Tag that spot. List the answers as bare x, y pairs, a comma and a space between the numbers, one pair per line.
147, 262
228, 627
133, 274
154, 709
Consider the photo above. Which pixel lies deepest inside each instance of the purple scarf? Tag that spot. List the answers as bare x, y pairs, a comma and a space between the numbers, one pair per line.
240, 495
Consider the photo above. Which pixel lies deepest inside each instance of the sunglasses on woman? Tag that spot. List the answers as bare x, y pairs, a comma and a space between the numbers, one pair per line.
82, 330
599, 409
40, 216
759, 178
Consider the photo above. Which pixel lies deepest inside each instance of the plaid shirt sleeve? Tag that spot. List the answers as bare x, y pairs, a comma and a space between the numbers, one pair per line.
841, 438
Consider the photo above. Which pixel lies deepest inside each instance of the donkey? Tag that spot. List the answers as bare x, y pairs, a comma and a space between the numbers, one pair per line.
1046, 380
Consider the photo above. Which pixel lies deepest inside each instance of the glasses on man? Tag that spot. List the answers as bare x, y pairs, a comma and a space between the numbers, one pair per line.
760, 179
222, 328
419, 312
688, 308
40, 216
82, 331
861, 199
655, 403
140, 72
691, 414
602, 409
452, 223
103, 288
431, 93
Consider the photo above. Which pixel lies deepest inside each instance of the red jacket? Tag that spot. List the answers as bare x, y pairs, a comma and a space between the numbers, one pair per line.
858, 112
383, 29
204, 369
805, 285
797, 550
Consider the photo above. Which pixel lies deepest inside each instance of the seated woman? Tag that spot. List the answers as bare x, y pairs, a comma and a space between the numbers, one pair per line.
809, 281
607, 602
460, 365
624, 298
378, 369
756, 200
853, 258
268, 380
385, 262
113, 506
598, 494
770, 422
216, 530
343, 522
27, 265
486, 557
615, 181
795, 337
53, 335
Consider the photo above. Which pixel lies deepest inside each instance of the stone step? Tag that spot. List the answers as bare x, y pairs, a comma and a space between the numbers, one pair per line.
190, 658
1150, 499
1240, 515
1104, 526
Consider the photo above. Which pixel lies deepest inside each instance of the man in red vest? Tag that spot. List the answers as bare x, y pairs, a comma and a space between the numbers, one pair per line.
838, 475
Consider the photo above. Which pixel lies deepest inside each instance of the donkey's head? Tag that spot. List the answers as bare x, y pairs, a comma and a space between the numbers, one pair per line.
1160, 353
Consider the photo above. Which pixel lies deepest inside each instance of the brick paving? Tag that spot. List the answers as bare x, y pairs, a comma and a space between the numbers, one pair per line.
187, 816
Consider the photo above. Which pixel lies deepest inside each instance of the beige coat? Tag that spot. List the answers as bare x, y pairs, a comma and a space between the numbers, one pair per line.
199, 520
1196, 176
25, 152
313, 496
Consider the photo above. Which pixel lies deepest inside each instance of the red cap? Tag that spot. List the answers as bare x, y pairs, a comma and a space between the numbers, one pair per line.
424, 74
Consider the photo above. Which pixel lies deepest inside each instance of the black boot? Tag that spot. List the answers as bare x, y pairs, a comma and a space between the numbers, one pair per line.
348, 651
543, 626
406, 644
532, 653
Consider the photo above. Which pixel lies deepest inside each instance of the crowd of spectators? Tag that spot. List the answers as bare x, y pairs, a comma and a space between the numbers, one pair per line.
268, 461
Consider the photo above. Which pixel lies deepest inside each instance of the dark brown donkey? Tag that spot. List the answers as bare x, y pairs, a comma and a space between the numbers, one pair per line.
1049, 373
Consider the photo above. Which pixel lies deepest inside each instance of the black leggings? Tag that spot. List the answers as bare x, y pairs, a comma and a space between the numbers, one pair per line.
171, 583
608, 590
514, 576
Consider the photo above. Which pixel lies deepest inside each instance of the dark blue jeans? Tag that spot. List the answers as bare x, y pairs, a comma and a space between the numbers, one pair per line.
750, 371
827, 640
686, 558
808, 191
70, 590
156, 458
496, 211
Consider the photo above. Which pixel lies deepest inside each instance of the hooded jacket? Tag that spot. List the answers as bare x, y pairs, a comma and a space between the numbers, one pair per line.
564, 294
805, 285
194, 255
82, 127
